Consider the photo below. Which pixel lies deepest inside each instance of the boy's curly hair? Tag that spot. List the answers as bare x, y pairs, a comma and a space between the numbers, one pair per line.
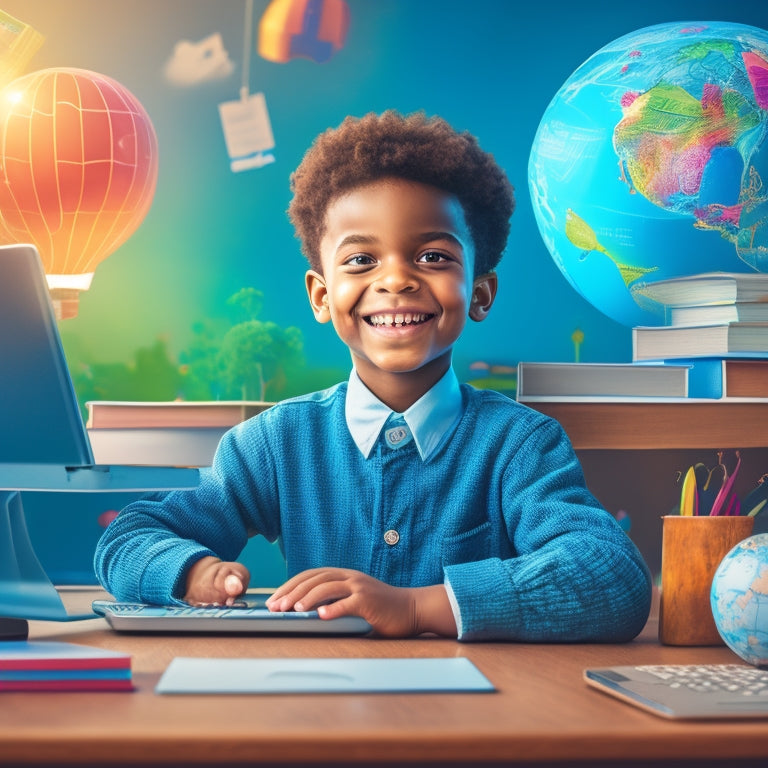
413, 147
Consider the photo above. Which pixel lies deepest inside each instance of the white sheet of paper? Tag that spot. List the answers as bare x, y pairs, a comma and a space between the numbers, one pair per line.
247, 132
194, 675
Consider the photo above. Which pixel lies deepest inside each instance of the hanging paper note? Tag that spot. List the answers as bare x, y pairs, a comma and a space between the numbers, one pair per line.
247, 132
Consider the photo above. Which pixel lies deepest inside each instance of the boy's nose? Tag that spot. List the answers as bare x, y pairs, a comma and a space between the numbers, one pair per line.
397, 277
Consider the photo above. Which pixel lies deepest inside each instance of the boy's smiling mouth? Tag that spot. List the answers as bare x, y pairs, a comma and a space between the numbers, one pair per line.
397, 319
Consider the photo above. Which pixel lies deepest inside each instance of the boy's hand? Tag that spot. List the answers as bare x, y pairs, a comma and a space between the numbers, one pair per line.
391, 611
211, 581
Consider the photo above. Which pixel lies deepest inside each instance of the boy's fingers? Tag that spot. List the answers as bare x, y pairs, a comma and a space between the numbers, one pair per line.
232, 585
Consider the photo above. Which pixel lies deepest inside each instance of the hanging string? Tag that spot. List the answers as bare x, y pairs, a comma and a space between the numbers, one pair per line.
247, 39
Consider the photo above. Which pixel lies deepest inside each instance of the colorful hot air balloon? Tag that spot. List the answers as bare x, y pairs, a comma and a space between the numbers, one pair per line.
308, 29
78, 170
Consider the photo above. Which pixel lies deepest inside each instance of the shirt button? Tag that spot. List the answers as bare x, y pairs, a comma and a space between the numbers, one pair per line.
391, 537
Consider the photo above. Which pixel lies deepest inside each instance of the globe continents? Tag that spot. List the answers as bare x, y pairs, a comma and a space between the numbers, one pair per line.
651, 162
739, 599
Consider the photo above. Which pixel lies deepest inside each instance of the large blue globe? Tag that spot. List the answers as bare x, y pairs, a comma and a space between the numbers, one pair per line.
651, 162
739, 599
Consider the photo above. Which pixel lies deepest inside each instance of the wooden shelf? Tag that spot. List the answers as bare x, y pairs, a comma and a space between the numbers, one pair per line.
717, 424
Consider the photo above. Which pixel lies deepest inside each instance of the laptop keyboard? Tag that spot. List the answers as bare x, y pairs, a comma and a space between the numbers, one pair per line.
235, 611
248, 616
734, 678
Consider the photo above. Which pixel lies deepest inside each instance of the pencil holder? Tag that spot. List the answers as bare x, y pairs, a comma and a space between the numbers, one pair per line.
691, 549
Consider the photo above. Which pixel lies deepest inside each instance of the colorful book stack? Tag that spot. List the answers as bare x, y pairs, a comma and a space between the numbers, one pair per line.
717, 323
56, 666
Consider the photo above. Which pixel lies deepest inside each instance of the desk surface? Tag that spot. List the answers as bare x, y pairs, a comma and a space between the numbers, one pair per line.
542, 712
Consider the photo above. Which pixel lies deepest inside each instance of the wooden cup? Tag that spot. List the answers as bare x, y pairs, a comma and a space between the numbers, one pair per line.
692, 547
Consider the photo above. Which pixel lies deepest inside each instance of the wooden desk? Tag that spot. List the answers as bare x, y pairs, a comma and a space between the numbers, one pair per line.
542, 714
658, 425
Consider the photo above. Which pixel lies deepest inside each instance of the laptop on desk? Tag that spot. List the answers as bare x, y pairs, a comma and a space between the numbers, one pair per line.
688, 691
43, 442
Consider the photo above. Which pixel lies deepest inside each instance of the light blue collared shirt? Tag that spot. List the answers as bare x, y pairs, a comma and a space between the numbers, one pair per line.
430, 418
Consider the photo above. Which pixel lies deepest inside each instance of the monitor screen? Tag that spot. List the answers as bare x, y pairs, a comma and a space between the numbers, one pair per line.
40, 421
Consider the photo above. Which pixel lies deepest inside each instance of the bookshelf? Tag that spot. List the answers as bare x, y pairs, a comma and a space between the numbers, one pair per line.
701, 424
631, 453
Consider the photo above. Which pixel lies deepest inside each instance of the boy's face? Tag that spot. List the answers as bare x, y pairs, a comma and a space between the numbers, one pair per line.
397, 282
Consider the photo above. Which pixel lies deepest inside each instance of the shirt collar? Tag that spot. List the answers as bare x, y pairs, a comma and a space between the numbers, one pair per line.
430, 418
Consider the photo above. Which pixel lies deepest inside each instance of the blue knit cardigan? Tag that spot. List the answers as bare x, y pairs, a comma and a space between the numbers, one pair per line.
500, 512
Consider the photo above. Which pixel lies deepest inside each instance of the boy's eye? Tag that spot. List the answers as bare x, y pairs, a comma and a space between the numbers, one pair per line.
433, 257
359, 260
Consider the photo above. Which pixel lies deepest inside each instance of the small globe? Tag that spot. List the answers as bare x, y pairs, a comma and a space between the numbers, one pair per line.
739, 599
651, 162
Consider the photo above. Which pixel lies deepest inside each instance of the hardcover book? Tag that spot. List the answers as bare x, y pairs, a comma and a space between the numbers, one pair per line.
157, 446
671, 341
707, 288
175, 413
711, 314
730, 376
537, 381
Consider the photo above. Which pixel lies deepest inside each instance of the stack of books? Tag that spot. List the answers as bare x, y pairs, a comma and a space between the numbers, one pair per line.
177, 433
56, 666
713, 345
715, 322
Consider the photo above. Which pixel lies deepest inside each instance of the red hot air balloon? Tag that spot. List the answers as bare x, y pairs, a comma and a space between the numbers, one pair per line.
78, 171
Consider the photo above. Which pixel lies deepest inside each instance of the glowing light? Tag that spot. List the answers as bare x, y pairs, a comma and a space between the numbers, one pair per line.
18, 44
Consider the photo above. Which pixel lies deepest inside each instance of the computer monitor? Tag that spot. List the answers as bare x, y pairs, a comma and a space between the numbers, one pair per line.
44, 445
40, 422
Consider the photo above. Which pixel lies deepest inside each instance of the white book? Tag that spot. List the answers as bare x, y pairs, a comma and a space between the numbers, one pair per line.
556, 380
670, 341
708, 314
706, 288
159, 446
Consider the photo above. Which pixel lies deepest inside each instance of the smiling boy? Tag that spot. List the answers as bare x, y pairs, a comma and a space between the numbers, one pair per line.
401, 496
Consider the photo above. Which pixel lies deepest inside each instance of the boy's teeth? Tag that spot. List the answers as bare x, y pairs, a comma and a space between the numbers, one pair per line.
405, 318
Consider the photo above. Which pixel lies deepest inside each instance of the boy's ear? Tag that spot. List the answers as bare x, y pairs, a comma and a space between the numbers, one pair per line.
318, 296
483, 294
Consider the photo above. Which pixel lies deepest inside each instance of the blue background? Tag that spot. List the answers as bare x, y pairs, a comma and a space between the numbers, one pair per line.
488, 66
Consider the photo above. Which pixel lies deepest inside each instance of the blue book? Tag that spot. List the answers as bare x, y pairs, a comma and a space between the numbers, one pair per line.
726, 376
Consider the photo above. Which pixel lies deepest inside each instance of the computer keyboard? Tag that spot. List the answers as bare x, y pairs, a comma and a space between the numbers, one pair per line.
734, 678
237, 610
240, 617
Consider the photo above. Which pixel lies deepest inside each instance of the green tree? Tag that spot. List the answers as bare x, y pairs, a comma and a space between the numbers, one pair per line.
200, 364
247, 303
256, 354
